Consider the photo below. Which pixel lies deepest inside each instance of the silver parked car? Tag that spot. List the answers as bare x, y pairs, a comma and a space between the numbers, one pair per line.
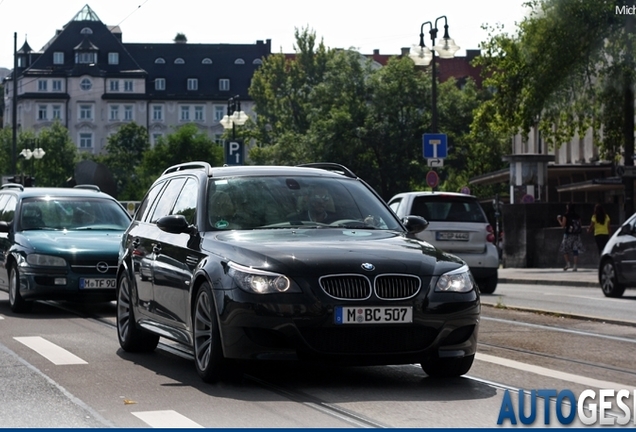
617, 267
457, 225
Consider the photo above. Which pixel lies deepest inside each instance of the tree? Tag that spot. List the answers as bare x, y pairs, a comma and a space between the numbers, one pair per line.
124, 152
180, 38
58, 164
185, 144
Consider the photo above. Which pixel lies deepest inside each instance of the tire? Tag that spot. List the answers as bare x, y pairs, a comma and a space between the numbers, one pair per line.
447, 367
208, 353
488, 285
16, 302
131, 337
607, 277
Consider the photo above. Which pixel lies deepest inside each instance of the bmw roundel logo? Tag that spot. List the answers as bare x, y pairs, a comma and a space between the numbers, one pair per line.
368, 266
102, 267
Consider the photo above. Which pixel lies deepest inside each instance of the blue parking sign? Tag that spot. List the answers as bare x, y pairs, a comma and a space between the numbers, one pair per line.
434, 146
234, 153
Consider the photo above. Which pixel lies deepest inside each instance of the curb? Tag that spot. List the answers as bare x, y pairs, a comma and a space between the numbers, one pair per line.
586, 284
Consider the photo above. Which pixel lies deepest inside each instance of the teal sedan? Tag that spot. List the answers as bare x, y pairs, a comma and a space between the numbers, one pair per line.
59, 244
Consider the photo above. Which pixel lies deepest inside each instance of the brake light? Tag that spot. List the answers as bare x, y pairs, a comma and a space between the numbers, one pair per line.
490, 236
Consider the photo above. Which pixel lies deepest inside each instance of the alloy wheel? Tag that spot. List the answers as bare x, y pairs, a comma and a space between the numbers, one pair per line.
203, 330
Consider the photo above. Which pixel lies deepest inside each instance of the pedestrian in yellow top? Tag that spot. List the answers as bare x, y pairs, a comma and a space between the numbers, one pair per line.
600, 225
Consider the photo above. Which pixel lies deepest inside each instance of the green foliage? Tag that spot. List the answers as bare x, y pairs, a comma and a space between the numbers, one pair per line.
58, 164
185, 144
124, 152
562, 71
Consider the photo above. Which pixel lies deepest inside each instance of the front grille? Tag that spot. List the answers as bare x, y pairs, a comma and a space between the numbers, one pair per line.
89, 267
346, 287
395, 287
370, 340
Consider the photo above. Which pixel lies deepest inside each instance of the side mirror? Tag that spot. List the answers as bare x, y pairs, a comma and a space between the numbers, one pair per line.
625, 230
414, 224
175, 224
5, 227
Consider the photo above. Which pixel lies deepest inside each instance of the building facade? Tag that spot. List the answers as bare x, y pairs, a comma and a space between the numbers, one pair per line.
87, 78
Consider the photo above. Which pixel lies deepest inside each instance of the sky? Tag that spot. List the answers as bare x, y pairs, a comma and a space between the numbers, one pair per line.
365, 25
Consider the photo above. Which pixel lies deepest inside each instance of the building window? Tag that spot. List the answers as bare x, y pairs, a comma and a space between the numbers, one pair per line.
57, 85
57, 112
58, 58
86, 140
113, 58
239, 61
128, 86
206, 61
160, 83
198, 113
86, 112
42, 112
193, 84
219, 112
42, 85
224, 84
114, 113
218, 139
86, 31
128, 112
257, 62
179, 61
159, 60
185, 113
156, 137
85, 57
157, 112
114, 85
86, 84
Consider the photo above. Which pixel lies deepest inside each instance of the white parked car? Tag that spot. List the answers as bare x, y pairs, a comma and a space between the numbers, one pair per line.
457, 225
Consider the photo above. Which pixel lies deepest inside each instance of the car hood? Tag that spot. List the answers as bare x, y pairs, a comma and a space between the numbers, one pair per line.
343, 250
70, 242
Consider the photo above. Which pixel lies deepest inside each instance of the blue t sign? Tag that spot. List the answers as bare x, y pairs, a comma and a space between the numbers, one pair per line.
434, 146
234, 153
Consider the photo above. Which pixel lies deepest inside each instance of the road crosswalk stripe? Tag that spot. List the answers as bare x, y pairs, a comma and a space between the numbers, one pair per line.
56, 354
166, 419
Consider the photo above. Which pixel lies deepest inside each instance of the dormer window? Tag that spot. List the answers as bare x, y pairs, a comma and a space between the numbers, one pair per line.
179, 61
239, 61
85, 57
257, 62
113, 58
159, 60
206, 61
86, 31
58, 57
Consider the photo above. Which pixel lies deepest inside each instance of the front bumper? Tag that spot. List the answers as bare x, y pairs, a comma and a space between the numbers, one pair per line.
41, 284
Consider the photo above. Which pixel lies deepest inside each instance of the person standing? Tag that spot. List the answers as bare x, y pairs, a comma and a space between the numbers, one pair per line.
600, 226
571, 244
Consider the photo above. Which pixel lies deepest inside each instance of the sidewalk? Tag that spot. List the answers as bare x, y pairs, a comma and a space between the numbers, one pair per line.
586, 277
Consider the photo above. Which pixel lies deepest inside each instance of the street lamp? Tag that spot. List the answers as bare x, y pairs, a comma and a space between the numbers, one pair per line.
422, 56
234, 115
27, 154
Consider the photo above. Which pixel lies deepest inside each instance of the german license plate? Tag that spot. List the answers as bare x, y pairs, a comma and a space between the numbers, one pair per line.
451, 235
373, 315
86, 283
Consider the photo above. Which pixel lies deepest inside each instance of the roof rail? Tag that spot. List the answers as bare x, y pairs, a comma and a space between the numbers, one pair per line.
190, 165
88, 186
330, 166
13, 186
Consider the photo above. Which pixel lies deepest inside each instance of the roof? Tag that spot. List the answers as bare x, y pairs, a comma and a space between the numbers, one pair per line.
30, 192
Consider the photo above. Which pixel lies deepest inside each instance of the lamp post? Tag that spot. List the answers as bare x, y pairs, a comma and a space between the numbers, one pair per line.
27, 154
235, 116
422, 56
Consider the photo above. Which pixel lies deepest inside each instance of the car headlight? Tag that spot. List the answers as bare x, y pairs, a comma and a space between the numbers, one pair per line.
260, 281
45, 260
458, 280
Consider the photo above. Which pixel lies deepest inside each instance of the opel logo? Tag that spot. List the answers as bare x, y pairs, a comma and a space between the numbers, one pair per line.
102, 267
368, 266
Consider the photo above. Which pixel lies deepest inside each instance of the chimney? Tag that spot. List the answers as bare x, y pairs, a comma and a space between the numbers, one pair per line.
405, 51
376, 52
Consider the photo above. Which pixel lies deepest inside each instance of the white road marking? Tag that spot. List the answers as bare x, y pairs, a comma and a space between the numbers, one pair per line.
56, 354
578, 379
166, 419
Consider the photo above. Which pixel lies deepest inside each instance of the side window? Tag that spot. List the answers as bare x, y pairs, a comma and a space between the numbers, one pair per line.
186, 204
144, 207
9, 209
166, 201
394, 205
3, 201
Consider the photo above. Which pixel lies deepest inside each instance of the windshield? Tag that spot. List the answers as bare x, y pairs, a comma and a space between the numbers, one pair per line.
72, 214
283, 202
